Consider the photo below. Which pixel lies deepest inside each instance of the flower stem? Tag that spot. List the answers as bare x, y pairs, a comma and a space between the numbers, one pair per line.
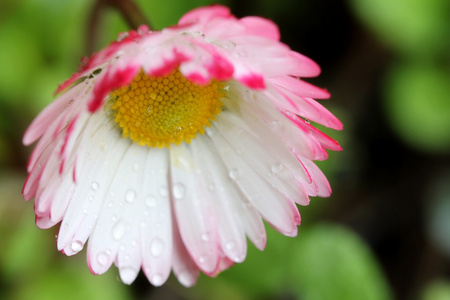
129, 10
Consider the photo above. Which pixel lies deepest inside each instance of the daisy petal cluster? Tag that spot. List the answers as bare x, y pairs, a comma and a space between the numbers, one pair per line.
169, 148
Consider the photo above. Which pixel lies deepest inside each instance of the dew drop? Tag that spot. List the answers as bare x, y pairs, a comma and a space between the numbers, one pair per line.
143, 224
178, 191
156, 247
206, 236
95, 185
130, 195
230, 245
91, 198
202, 259
307, 121
102, 258
163, 191
110, 204
277, 168
275, 125
185, 278
119, 230
136, 166
211, 187
151, 201
85, 211
127, 274
157, 280
77, 246
234, 174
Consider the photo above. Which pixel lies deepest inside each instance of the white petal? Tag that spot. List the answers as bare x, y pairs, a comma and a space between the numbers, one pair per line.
226, 199
193, 209
155, 217
271, 204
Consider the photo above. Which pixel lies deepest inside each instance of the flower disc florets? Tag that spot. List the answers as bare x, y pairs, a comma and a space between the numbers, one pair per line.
164, 110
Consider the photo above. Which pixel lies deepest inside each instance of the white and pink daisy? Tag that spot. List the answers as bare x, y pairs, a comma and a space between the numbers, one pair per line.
169, 148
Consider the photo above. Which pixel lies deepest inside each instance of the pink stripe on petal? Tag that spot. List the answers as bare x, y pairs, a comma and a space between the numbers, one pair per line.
112, 79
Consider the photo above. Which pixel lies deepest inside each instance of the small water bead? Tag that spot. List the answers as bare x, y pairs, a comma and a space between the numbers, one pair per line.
110, 204
151, 201
277, 168
157, 280
102, 258
118, 231
234, 174
128, 274
95, 185
211, 187
186, 278
91, 198
179, 190
202, 259
156, 247
163, 191
85, 211
206, 236
230, 245
143, 224
130, 195
77, 246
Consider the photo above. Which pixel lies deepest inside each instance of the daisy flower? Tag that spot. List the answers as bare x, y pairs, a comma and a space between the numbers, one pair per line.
169, 148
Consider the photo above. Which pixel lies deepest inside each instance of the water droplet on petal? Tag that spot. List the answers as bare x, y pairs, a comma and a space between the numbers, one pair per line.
103, 258
151, 201
128, 274
77, 246
156, 247
186, 278
95, 185
178, 190
211, 187
157, 280
163, 191
277, 168
143, 224
130, 195
119, 230
202, 259
206, 236
136, 166
234, 174
85, 211
275, 125
230, 245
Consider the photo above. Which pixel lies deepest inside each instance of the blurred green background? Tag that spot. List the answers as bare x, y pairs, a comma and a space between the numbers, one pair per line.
384, 233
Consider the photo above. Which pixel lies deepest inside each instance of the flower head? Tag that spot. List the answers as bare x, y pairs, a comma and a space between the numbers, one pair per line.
168, 148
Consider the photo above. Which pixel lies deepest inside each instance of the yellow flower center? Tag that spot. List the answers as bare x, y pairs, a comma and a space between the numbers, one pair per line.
159, 111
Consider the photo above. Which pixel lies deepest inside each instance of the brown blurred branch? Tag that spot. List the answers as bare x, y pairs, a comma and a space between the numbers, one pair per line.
127, 8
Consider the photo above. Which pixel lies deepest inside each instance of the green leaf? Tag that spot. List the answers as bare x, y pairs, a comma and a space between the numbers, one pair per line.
438, 290
418, 106
331, 262
410, 26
